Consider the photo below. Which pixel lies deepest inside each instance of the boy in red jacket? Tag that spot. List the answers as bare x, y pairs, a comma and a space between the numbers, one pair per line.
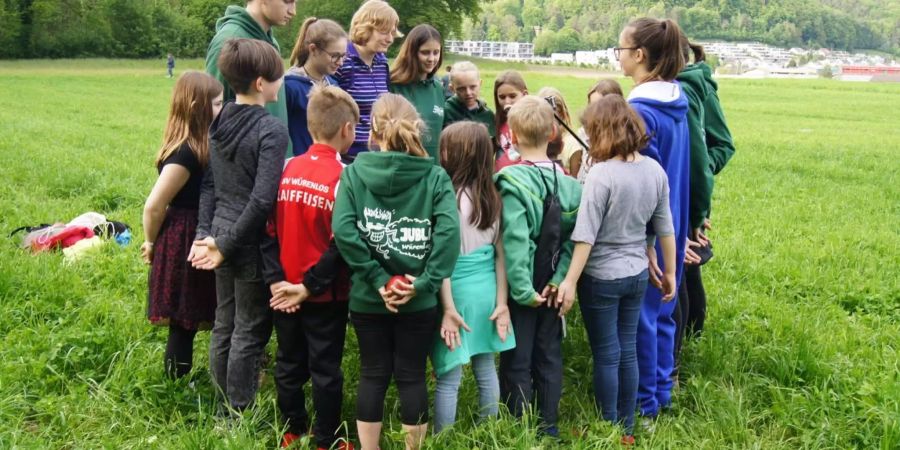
311, 303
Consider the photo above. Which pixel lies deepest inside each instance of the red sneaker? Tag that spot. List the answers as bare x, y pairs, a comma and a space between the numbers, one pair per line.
289, 439
628, 440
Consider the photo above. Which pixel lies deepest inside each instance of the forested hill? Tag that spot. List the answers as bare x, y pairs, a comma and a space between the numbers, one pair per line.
568, 25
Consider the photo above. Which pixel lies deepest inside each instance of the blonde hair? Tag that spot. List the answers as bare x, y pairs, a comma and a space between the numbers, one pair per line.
190, 115
462, 67
329, 109
373, 15
397, 125
531, 120
318, 32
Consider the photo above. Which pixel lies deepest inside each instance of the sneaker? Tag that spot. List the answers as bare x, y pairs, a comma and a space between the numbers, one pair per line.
648, 424
289, 439
628, 440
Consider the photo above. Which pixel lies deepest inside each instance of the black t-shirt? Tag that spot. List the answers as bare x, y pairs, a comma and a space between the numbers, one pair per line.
189, 195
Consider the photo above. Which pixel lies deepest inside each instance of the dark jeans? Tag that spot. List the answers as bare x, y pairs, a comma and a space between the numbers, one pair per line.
311, 344
690, 312
532, 371
179, 351
398, 345
611, 309
242, 328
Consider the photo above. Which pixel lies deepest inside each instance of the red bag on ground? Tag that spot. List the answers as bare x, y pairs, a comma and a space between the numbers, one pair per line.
65, 238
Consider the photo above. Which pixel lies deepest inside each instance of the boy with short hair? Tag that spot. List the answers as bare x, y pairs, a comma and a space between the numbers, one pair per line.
310, 301
540, 205
465, 104
246, 155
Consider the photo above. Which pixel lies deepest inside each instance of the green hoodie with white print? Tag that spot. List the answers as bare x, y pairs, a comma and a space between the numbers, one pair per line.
395, 214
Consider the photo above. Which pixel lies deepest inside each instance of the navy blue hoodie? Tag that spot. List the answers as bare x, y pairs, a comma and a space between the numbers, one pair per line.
664, 107
297, 87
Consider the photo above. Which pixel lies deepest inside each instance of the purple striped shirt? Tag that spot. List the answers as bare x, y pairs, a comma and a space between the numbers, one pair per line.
365, 84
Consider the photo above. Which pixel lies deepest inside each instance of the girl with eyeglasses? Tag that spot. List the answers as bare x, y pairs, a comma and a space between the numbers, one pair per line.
413, 77
319, 52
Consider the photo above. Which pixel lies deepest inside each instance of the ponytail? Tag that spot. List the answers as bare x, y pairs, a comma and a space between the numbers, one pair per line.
699, 52
661, 40
396, 124
688, 49
314, 32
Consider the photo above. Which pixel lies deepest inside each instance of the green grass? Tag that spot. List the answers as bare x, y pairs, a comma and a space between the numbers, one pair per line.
801, 347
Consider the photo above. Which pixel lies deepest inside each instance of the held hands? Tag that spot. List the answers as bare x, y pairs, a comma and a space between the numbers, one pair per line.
450, 325
147, 252
691, 258
400, 293
501, 320
565, 296
287, 297
205, 254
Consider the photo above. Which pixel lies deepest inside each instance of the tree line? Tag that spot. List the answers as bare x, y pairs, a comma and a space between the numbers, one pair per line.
569, 25
153, 28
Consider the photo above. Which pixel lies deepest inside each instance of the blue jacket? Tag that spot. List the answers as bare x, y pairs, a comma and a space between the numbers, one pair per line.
664, 107
297, 87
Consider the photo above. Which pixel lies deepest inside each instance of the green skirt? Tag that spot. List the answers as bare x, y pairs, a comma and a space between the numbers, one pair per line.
474, 287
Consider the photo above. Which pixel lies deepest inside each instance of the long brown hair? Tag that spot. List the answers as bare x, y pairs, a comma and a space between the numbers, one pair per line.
190, 115
606, 87
318, 32
512, 78
396, 123
614, 129
555, 147
661, 41
406, 67
467, 154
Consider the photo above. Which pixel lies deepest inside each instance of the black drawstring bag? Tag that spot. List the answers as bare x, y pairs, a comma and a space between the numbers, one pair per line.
549, 244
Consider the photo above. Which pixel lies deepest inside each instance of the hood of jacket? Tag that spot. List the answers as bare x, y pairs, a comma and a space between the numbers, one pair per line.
457, 105
389, 173
240, 18
693, 77
666, 97
232, 124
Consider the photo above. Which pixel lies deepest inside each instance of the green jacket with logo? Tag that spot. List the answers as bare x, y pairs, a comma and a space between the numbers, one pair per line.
428, 98
395, 214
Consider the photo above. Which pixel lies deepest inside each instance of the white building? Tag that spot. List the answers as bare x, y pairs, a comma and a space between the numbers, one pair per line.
492, 49
557, 58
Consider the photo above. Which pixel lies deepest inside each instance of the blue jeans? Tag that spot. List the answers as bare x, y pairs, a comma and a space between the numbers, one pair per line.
610, 309
446, 392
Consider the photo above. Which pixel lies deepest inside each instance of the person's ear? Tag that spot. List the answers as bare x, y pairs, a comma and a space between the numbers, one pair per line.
513, 138
554, 132
312, 48
347, 130
638, 55
258, 84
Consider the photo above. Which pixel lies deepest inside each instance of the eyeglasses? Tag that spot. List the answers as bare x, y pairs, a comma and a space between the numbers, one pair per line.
336, 57
618, 51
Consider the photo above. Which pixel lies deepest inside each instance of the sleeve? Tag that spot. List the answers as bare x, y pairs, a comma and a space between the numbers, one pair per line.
662, 216
650, 122
346, 235
271, 255
207, 207
273, 142
592, 209
515, 229
444, 237
701, 176
184, 157
320, 276
719, 142
212, 65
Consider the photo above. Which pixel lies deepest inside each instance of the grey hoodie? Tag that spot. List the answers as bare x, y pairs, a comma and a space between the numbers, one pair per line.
246, 156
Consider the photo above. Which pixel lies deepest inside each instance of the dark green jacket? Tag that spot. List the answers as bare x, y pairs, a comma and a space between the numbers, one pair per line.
523, 192
455, 111
396, 214
718, 137
237, 23
428, 98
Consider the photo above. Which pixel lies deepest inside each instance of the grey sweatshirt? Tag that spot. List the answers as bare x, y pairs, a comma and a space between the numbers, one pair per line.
246, 157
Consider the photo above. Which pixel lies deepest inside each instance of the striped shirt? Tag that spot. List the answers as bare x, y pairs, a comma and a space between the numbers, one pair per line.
365, 84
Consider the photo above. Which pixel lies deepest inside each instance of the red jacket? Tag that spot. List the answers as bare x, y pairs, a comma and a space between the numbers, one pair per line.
303, 217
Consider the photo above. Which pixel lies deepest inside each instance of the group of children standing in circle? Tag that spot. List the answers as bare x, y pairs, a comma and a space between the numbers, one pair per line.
436, 227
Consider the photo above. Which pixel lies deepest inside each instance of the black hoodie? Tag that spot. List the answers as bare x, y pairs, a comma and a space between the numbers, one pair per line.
246, 156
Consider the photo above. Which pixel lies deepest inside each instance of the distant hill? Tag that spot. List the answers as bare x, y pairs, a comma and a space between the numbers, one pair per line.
568, 25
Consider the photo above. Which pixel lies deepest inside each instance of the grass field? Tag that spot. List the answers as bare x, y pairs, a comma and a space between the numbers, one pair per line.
802, 347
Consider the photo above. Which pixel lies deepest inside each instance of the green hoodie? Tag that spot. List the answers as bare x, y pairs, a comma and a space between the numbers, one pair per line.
238, 23
455, 111
396, 214
523, 195
711, 144
428, 98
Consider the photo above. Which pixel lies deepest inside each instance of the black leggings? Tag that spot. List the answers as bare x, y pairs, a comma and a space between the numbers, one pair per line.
690, 311
398, 345
179, 351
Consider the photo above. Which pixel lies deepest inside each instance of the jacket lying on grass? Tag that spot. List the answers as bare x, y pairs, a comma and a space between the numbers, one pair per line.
523, 190
237, 23
246, 152
396, 214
